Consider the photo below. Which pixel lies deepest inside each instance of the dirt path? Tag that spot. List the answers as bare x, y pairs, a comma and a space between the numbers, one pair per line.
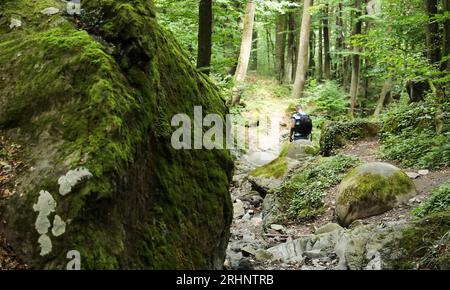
10, 164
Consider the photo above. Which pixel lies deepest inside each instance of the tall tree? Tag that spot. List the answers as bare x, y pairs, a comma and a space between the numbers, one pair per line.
280, 46
356, 61
446, 40
254, 65
340, 42
433, 37
320, 56
290, 62
384, 92
205, 35
246, 49
246, 44
302, 60
326, 43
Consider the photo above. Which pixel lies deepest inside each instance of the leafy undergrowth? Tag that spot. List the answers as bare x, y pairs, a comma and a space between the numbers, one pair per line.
417, 135
303, 193
438, 202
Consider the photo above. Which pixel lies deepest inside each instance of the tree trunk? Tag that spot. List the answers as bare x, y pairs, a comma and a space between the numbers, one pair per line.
340, 44
312, 49
320, 40
246, 44
246, 48
254, 54
356, 62
205, 36
300, 76
386, 88
326, 44
433, 39
446, 40
280, 47
291, 49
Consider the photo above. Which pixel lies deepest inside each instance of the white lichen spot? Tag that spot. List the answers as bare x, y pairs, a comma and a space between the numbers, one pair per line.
15, 23
59, 226
42, 224
50, 11
46, 244
72, 178
46, 204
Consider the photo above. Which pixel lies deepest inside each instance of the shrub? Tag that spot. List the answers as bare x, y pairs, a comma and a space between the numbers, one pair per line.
417, 135
438, 202
327, 100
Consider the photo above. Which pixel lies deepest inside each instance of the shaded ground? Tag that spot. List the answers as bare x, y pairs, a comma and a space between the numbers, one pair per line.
10, 164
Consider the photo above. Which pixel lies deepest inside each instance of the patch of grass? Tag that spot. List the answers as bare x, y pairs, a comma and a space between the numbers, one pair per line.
438, 202
303, 193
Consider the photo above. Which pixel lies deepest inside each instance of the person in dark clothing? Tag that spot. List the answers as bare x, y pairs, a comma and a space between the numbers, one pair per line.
301, 127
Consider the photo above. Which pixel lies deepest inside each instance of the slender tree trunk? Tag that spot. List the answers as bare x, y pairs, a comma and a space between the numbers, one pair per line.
326, 44
254, 64
300, 76
446, 41
312, 49
356, 61
433, 38
291, 48
246, 49
280, 47
205, 35
320, 57
246, 45
386, 88
340, 43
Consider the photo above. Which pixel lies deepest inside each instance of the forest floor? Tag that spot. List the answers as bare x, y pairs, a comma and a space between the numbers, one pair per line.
10, 164
247, 232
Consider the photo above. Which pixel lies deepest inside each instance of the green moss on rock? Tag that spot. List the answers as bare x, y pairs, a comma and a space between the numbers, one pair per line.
425, 244
105, 103
371, 189
335, 135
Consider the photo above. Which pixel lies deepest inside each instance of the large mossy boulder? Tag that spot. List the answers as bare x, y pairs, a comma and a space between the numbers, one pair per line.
371, 189
337, 134
301, 149
92, 103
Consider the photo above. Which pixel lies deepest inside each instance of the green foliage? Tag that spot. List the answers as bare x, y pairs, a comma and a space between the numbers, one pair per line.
326, 100
303, 193
410, 135
336, 134
425, 244
438, 202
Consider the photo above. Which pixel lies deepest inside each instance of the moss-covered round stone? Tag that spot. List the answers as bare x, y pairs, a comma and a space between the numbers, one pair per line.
371, 189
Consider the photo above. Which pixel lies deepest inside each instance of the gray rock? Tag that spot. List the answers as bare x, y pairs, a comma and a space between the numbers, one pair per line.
328, 228
238, 209
314, 254
424, 172
298, 150
412, 175
263, 255
277, 228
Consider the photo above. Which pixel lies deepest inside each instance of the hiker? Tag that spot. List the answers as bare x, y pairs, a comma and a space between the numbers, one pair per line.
301, 127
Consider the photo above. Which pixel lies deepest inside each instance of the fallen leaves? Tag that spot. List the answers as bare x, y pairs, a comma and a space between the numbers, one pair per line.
10, 164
